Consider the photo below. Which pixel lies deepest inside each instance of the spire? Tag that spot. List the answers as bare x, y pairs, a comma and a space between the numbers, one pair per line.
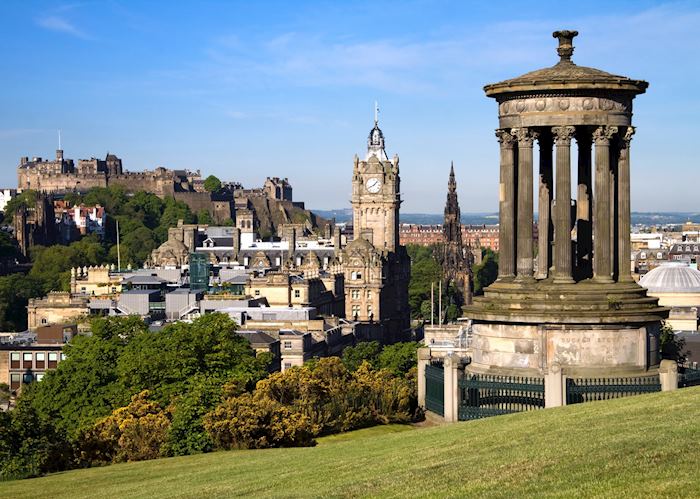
452, 183
375, 141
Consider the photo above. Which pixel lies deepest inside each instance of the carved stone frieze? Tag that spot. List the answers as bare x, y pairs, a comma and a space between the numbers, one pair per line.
560, 103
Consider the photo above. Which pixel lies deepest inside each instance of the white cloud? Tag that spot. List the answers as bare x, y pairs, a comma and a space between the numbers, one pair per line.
61, 25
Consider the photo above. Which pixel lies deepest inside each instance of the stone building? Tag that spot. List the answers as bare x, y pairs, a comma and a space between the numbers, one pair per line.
278, 188
61, 175
26, 357
35, 224
576, 316
377, 268
57, 307
677, 286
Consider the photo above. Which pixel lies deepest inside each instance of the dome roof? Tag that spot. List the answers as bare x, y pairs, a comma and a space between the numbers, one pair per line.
565, 75
672, 278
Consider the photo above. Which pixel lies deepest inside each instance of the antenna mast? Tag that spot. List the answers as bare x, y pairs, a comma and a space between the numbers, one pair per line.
119, 255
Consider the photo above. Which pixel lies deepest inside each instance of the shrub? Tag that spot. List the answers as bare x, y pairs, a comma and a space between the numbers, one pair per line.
136, 432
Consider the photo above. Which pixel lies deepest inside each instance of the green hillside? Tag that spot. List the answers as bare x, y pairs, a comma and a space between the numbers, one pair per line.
644, 446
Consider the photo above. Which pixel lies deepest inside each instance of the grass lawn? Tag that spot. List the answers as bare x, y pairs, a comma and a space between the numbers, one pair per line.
644, 446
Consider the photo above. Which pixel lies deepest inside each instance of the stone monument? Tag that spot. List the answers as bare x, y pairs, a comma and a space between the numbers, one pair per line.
570, 304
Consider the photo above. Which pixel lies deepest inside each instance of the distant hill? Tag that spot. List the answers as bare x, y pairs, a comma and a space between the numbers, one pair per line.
642, 446
345, 215
643, 218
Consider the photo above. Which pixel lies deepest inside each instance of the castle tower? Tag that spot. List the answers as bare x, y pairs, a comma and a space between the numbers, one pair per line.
376, 196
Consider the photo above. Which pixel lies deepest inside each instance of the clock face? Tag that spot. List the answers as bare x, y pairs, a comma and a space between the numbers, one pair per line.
373, 185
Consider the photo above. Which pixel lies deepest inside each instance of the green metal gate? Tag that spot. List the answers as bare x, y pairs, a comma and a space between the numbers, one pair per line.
579, 390
435, 389
483, 395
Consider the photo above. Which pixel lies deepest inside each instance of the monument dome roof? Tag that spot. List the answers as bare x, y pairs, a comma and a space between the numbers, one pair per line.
672, 278
565, 75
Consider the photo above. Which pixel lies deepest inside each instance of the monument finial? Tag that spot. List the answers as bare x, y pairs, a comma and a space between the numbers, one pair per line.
566, 46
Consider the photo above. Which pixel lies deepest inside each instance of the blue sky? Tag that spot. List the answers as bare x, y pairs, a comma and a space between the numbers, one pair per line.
245, 90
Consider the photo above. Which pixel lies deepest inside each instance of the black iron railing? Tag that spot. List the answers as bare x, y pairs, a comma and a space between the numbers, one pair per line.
484, 395
579, 390
688, 376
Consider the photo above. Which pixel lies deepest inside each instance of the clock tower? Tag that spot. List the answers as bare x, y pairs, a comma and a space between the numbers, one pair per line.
376, 195
377, 269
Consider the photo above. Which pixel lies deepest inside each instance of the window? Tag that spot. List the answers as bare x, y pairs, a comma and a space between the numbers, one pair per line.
39, 376
642, 255
287, 365
27, 378
659, 256
297, 293
14, 360
15, 380
369, 295
355, 310
53, 359
287, 345
40, 359
355, 293
63, 356
369, 310
27, 360
43, 320
257, 292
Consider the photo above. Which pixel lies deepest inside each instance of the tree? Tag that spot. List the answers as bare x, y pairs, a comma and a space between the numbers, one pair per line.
86, 385
425, 271
671, 345
164, 363
366, 351
5, 395
204, 218
25, 199
399, 358
15, 292
30, 445
212, 184
486, 272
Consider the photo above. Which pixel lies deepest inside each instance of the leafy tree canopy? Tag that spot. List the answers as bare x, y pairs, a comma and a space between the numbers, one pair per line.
212, 184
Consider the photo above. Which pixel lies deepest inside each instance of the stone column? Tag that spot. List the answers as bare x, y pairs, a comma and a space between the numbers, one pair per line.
506, 212
668, 375
562, 220
584, 212
602, 264
623, 208
524, 249
554, 393
544, 243
423, 360
451, 388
